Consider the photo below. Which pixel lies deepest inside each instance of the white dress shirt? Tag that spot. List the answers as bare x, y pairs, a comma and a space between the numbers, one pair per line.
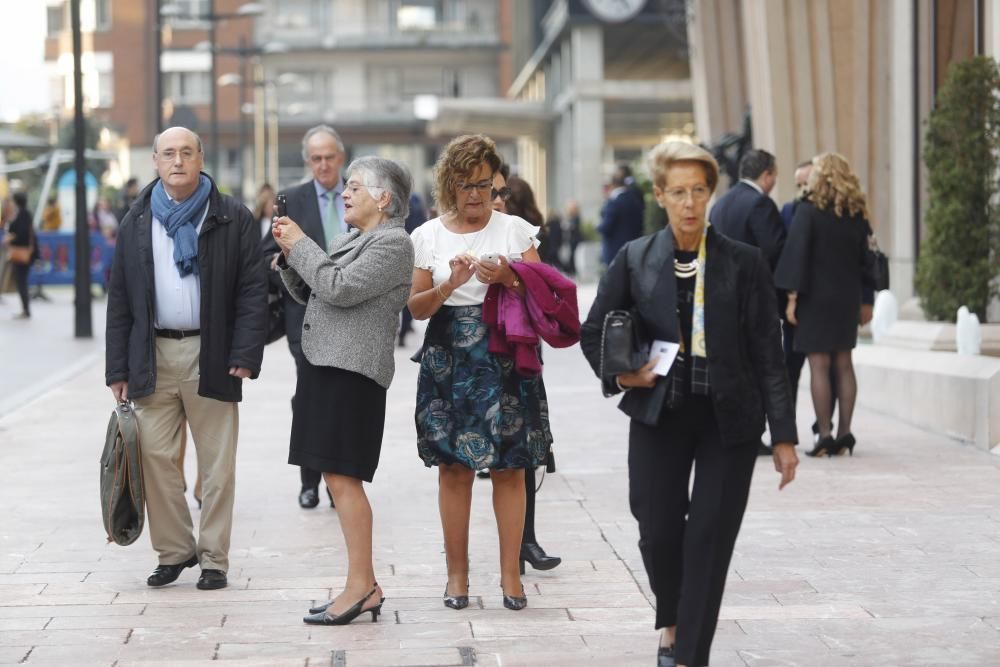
178, 300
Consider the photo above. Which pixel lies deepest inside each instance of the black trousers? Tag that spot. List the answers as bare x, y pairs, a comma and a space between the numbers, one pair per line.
687, 539
21, 279
310, 478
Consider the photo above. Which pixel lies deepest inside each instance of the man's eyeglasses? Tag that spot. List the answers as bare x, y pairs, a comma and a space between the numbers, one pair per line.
169, 155
482, 186
319, 159
504, 193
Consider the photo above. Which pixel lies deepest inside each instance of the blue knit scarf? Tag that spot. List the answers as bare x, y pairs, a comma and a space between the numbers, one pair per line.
180, 219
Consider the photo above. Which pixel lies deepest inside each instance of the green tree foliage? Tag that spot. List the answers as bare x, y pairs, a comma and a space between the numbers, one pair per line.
959, 256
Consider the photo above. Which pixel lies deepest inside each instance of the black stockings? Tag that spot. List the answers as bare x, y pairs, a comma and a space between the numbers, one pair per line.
820, 366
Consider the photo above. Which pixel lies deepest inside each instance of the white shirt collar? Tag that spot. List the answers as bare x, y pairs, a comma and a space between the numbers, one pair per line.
752, 184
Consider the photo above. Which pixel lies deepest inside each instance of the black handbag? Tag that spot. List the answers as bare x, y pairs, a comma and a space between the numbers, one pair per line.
275, 316
623, 345
123, 500
877, 266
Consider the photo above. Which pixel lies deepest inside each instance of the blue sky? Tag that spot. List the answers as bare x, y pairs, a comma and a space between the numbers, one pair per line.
23, 84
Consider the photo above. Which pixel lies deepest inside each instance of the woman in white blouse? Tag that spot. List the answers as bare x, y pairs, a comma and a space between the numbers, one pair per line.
474, 410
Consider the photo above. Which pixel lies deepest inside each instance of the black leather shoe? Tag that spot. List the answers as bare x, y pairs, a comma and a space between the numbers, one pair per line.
456, 601
211, 580
308, 499
665, 657
324, 618
534, 554
167, 574
764, 450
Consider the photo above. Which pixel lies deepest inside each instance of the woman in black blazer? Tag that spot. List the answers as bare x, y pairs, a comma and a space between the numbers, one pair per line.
823, 269
713, 296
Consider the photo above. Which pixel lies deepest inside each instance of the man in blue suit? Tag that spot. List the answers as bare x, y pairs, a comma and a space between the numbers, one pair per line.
621, 218
318, 207
747, 213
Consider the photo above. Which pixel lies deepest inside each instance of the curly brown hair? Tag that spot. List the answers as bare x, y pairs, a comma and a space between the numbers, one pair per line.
832, 184
459, 159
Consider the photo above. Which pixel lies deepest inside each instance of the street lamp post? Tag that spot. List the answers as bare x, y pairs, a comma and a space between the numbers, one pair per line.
81, 245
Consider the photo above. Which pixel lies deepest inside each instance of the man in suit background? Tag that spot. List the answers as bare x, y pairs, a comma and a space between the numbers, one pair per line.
747, 213
621, 219
318, 207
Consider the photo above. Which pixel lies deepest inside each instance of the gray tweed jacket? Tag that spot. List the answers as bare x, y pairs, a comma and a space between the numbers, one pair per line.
353, 297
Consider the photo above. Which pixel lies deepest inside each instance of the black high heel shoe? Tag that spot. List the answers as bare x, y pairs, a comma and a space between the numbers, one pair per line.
847, 442
456, 601
515, 602
534, 554
319, 609
824, 447
665, 657
323, 618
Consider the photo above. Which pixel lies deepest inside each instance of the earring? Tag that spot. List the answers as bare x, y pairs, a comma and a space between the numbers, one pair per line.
379, 209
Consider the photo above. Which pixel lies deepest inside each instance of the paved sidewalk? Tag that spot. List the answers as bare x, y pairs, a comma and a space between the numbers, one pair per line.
891, 557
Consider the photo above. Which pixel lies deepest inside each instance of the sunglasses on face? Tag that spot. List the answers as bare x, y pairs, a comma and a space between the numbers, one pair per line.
504, 193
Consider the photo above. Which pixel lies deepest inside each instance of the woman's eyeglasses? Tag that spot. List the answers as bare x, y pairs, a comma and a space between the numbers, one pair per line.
504, 193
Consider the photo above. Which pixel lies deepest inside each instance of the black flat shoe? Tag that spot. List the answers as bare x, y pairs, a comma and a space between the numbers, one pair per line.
308, 499
323, 618
167, 574
665, 657
823, 447
455, 601
211, 580
534, 554
842, 444
515, 602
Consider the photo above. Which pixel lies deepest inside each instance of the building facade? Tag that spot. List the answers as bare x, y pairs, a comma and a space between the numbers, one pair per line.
858, 78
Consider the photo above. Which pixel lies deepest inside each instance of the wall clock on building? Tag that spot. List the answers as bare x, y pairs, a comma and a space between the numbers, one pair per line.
614, 11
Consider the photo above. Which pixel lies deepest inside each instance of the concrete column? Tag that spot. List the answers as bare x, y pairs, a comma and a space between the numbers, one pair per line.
587, 63
718, 75
901, 217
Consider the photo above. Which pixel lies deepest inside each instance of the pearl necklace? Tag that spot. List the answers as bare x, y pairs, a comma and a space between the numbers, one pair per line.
686, 269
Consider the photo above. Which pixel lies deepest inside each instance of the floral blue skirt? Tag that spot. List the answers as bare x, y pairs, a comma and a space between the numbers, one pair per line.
473, 407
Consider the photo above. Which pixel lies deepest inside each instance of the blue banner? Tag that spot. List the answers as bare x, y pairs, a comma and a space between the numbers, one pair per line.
56, 261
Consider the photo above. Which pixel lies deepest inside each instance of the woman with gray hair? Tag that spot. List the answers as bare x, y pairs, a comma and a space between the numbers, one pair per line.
353, 296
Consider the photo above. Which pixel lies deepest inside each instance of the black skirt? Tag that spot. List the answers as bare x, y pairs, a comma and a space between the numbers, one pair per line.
337, 422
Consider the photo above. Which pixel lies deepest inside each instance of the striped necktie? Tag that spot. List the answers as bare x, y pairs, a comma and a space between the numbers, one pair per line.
331, 223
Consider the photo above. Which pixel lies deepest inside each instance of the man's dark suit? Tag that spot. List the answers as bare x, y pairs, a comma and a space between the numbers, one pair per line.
746, 215
303, 208
621, 221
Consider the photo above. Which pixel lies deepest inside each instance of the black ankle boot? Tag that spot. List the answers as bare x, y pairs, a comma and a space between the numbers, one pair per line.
534, 554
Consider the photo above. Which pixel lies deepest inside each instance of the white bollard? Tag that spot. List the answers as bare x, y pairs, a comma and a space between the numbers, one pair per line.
968, 333
884, 314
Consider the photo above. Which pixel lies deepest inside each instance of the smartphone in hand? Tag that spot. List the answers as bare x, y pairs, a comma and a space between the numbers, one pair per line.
282, 204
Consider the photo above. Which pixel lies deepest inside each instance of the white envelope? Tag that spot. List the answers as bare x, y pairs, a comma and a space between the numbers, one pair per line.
666, 352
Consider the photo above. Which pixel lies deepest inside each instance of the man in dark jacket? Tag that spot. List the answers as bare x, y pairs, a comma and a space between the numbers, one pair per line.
621, 219
317, 206
187, 320
747, 213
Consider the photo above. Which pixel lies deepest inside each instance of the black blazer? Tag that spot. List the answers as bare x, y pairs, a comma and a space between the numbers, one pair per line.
743, 214
303, 208
745, 361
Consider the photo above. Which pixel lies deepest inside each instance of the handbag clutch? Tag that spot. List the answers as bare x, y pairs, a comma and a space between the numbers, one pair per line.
623, 345
17, 254
877, 266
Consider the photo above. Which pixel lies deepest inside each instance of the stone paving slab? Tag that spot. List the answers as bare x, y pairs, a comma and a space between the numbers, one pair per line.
890, 557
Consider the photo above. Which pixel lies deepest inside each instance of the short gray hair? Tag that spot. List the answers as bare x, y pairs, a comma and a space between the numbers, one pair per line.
156, 138
320, 129
389, 175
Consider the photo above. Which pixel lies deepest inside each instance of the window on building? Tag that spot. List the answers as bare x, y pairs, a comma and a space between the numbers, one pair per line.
102, 15
105, 90
301, 14
417, 14
303, 92
55, 18
191, 9
187, 87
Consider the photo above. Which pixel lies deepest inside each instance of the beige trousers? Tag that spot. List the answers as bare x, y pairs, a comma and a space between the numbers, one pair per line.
214, 424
